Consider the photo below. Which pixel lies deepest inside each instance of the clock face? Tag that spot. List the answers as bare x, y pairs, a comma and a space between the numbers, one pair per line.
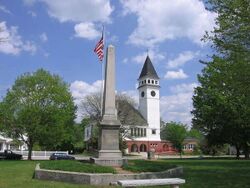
153, 93
142, 94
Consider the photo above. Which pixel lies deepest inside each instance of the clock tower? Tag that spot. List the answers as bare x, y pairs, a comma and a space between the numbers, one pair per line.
149, 99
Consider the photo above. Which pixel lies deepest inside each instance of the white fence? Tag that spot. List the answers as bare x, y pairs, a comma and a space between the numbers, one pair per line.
39, 154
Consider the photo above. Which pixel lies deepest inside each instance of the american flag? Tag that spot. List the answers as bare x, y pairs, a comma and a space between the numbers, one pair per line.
99, 49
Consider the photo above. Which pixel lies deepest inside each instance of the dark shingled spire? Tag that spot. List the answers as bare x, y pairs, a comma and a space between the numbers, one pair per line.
148, 70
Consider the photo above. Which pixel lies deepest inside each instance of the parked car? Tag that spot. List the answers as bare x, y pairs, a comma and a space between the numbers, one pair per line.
61, 156
9, 155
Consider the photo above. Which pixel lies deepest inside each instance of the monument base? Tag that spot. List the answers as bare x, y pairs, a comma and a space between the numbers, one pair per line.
108, 161
110, 154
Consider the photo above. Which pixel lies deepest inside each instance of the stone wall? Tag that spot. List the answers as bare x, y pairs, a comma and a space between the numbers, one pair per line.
101, 179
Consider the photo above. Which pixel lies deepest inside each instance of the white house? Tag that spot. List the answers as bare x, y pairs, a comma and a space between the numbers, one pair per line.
7, 143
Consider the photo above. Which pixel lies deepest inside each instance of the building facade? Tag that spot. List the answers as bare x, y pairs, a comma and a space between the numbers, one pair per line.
8, 144
146, 137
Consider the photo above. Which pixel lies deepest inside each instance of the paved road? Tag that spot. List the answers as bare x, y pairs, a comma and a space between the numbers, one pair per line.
141, 156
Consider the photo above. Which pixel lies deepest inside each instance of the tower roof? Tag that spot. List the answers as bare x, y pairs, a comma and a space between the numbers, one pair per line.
148, 69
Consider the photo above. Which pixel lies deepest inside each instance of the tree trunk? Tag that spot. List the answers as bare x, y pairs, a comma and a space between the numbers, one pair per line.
180, 151
237, 152
30, 146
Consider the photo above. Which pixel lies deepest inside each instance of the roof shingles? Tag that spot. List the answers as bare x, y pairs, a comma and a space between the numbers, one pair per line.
148, 70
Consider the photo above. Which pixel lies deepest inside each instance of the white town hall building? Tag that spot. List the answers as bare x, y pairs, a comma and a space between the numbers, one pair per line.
146, 137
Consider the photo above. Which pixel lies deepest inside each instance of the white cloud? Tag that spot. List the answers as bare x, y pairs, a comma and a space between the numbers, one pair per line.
4, 9
13, 43
80, 89
177, 107
170, 75
89, 13
44, 37
182, 58
79, 10
86, 30
32, 13
154, 56
160, 20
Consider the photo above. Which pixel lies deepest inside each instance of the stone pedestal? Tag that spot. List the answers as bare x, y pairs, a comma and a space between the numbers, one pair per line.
109, 153
109, 141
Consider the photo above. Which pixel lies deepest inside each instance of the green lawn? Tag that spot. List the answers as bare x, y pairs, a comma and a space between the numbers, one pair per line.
76, 166
197, 173
207, 173
18, 174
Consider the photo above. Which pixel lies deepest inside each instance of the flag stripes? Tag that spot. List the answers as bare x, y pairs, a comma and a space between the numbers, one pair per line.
99, 49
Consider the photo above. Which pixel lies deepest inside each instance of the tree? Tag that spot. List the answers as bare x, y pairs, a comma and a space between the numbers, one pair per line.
222, 101
176, 133
39, 109
194, 133
91, 106
126, 112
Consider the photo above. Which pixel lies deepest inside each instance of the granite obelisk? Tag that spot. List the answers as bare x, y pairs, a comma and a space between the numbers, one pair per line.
109, 153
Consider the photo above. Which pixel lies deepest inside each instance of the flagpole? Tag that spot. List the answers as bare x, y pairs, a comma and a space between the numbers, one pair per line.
102, 69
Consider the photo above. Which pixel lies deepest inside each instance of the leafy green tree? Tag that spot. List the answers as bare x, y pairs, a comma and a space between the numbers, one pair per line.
176, 133
222, 101
194, 133
39, 109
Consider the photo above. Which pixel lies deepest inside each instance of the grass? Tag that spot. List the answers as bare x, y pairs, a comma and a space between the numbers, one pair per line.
205, 173
75, 166
197, 173
18, 174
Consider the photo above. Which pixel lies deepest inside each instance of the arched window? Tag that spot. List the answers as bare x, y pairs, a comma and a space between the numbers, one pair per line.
134, 148
143, 148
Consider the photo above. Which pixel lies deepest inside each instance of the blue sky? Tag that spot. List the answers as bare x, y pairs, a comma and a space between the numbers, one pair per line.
60, 36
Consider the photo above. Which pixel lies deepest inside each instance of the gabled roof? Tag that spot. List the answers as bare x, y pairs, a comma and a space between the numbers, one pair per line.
148, 70
128, 115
